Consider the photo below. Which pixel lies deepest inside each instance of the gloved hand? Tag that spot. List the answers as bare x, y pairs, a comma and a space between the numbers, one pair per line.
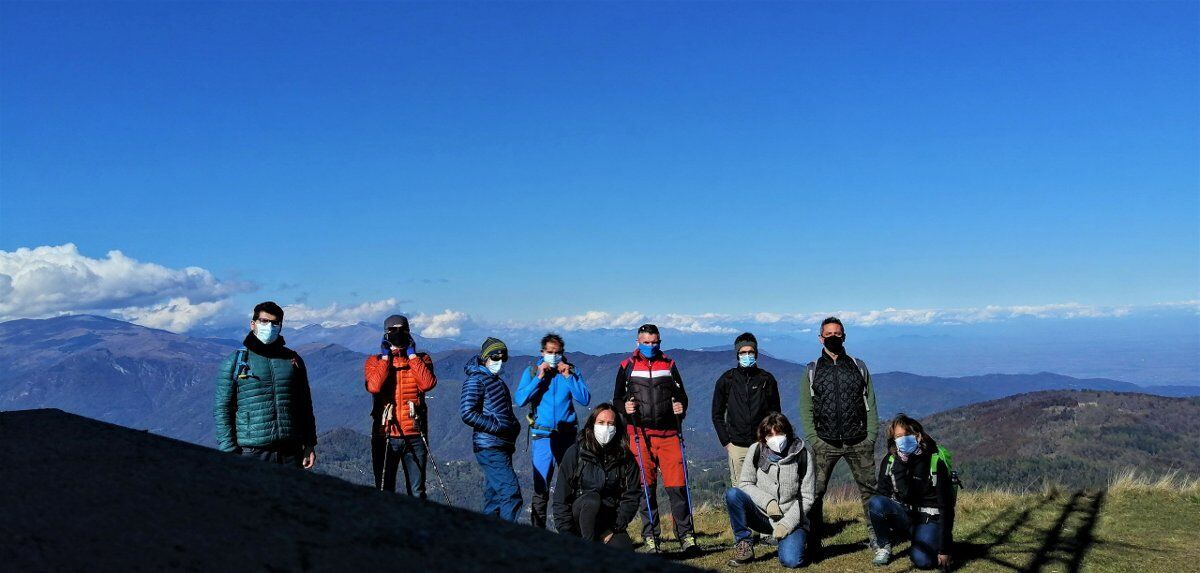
412, 348
385, 349
780, 531
773, 510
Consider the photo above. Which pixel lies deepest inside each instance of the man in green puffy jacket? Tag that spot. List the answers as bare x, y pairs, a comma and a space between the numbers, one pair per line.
263, 403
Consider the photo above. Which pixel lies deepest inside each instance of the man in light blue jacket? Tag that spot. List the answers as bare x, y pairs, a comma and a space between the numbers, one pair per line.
549, 387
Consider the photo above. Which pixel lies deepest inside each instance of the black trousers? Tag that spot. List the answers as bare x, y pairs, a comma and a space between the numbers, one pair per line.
595, 520
282, 455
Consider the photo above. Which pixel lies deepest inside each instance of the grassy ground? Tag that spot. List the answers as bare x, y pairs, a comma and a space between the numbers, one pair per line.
1134, 525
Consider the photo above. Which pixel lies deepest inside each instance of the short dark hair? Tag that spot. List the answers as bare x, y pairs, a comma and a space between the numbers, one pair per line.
269, 307
775, 423
647, 329
832, 320
552, 337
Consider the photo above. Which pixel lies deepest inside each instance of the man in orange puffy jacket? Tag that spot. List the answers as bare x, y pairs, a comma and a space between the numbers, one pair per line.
398, 378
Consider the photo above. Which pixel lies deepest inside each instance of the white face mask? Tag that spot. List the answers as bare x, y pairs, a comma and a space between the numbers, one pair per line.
551, 360
494, 366
267, 333
777, 443
604, 434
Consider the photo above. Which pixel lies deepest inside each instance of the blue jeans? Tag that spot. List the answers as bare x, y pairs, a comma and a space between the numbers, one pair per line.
502, 491
893, 522
546, 453
744, 516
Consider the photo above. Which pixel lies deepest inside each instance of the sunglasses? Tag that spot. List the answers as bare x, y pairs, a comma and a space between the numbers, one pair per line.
501, 356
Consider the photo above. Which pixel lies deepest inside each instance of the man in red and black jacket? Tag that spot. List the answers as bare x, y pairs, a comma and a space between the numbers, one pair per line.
649, 385
398, 378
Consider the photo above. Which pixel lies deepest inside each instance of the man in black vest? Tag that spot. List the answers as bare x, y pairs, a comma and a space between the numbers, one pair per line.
837, 406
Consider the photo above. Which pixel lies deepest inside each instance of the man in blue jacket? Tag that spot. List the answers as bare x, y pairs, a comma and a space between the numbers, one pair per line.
549, 386
486, 406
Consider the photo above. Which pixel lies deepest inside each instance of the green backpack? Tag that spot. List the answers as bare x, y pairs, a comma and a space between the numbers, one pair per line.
942, 455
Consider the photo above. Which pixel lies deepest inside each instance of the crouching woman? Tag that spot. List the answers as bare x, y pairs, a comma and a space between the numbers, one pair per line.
775, 490
916, 497
598, 488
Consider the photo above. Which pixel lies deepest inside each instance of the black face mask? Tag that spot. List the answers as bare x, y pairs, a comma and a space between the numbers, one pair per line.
397, 338
835, 344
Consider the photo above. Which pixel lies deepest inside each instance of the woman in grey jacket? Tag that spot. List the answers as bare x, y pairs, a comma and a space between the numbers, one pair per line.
774, 493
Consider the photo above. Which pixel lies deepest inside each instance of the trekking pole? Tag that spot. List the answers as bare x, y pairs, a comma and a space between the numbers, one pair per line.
387, 445
687, 486
412, 412
637, 440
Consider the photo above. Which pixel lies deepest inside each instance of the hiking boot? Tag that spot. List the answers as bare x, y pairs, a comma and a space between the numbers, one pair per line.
652, 544
882, 556
688, 544
743, 553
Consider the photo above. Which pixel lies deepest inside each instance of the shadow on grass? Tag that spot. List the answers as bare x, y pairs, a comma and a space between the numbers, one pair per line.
1065, 543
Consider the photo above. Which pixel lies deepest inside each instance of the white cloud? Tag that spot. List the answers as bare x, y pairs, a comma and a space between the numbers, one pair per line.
697, 324
176, 315
594, 320
448, 324
53, 280
338, 315
971, 315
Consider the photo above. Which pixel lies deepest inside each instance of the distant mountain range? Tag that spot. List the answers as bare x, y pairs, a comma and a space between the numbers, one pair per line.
163, 382
1074, 438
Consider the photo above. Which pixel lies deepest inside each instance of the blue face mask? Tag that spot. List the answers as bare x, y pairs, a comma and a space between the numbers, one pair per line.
746, 360
551, 360
906, 445
648, 350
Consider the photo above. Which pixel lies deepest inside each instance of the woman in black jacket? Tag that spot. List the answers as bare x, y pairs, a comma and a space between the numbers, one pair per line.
915, 497
598, 487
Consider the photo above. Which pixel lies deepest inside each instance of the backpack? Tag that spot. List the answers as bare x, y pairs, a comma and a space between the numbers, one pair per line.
862, 369
241, 361
941, 455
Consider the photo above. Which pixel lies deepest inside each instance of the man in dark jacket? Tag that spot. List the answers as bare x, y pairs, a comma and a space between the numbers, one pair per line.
486, 406
742, 397
263, 405
837, 406
650, 387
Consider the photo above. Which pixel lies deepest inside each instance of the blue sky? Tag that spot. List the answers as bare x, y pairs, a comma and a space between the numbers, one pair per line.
527, 161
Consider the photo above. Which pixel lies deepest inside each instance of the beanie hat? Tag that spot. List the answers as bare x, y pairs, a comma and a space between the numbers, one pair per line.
745, 339
492, 345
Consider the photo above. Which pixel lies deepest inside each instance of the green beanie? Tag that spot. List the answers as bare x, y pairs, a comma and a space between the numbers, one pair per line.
492, 345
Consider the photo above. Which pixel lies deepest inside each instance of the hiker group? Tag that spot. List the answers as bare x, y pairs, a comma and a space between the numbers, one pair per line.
593, 481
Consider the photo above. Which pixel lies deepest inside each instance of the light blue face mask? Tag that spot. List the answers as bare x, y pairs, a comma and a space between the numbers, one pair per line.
906, 445
648, 350
267, 333
552, 360
747, 360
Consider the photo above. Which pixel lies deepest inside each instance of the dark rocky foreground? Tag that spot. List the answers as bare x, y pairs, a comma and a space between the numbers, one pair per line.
78, 494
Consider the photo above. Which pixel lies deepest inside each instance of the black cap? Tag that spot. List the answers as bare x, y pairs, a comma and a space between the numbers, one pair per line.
396, 321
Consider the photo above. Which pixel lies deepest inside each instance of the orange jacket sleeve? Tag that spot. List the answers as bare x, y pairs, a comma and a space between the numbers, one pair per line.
375, 370
423, 370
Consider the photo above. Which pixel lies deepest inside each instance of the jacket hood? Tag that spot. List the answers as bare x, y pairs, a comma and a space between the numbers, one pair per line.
474, 367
